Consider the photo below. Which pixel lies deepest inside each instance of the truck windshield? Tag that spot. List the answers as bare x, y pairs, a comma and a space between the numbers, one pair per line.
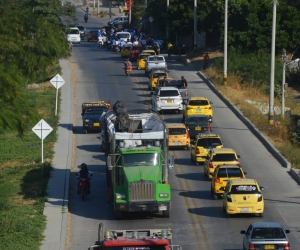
140, 160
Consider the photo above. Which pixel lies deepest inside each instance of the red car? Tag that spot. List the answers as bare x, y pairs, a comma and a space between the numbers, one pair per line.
92, 35
135, 51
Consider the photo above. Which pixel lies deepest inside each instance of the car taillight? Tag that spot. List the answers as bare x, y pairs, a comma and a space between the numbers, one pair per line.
187, 127
186, 91
166, 65
211, 165
230, 200
152, 79
259, 197
287, 246
207, 107
157, 98
187, 135
197, 151
208, 127
179, 96
217, 180
189, 108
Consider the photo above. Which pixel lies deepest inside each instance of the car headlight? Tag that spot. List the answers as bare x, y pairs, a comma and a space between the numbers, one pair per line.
120, 196
86, 120
163, 195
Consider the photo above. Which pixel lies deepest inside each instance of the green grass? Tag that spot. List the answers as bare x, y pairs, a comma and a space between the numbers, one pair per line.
22, 185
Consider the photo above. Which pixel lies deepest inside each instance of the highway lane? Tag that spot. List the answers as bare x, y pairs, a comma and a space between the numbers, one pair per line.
196, 219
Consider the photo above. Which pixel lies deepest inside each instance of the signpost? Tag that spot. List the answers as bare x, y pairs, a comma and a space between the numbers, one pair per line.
42, 129
57, 81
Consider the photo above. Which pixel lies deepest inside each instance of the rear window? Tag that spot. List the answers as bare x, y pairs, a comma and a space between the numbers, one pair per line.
177, 131
153, 59
96, 110
156, 75
244, 189
73, 31
209, 142
229, 172
169, 93
268, 233
198, 102
195, 120
224, 157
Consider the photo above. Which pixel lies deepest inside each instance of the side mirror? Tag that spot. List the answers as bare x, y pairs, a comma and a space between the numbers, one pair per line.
243, 232
108, 162
245, 173
211, 103
287, 231
261, 188
238, 156
171, 161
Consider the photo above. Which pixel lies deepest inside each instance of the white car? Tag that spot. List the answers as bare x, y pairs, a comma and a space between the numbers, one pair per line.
74, 35
166, 98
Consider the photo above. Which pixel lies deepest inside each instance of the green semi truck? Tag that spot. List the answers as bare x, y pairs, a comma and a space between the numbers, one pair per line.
137, 163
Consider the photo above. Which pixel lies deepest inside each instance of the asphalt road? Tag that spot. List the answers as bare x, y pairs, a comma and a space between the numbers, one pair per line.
197, 220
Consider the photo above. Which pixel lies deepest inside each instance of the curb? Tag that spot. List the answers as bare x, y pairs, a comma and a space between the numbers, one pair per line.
295, 173
56, 207
269, 146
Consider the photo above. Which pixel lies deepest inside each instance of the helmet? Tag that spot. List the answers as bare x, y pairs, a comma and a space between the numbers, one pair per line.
83, 166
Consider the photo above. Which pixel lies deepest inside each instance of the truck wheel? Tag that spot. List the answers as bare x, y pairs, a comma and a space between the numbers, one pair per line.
166, 213
118, 214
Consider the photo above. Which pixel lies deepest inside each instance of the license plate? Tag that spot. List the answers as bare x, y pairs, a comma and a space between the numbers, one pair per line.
162, 208
198, 109
197, 128
269, 246
245, 209
96, 124
176, 143
169, 101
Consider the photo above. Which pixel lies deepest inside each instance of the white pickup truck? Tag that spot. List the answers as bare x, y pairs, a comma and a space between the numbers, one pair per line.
153, 62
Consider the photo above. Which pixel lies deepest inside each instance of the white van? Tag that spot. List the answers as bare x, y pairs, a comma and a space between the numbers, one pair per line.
74, 35
123, 36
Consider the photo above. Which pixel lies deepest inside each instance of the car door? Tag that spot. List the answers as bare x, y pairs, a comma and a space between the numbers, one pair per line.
225, 193
193, 149
246, 238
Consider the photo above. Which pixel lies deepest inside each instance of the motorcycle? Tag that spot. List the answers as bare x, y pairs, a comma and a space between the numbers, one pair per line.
128, 70
108, 45
100, 44
83, 186
86, 19
116, 48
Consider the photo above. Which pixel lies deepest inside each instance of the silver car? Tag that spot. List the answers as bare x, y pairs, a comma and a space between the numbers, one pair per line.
166, 98
265, 235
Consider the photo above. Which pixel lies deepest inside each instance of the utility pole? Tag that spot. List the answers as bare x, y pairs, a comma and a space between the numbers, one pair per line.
167, 26
225, 43
98, 8
283, 84
271, 104
195, 26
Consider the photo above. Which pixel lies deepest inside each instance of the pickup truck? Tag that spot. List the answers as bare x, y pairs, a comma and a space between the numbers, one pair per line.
91, 112
170, 82
153, 62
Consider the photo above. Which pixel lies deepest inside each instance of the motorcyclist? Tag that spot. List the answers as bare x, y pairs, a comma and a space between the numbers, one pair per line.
84, 173
184, 82
127, 65
122, 43
136, 42
86, 17
100, 39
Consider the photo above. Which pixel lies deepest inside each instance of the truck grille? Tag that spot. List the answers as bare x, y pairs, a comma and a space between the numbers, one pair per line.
142, 191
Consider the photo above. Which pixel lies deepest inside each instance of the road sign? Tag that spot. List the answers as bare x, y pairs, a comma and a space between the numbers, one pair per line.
151, 19
57, 81
42, 129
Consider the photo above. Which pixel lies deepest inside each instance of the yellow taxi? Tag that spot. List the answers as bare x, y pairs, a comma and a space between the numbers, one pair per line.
202, 144
149, 51
141, 60
219, 156
126, 51
178, 135
154, 75
223, 174
243, 196
198, 105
